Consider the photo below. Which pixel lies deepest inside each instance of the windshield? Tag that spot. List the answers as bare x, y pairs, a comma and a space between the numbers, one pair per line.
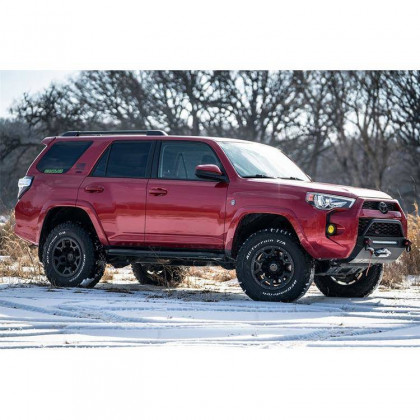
256, 160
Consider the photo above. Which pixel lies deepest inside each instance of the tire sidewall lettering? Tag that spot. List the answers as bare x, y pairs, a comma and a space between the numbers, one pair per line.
80, 275
263, 243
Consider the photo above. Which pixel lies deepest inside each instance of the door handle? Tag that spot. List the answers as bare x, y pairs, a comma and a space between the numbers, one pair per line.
94, 188
158, 191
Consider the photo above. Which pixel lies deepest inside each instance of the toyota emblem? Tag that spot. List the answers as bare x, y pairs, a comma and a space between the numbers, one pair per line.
383, 208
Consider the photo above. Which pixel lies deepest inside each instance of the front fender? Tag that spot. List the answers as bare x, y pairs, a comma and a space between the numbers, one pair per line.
285, 212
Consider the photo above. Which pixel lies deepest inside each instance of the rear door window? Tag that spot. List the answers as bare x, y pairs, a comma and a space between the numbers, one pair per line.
62, 156
125, 159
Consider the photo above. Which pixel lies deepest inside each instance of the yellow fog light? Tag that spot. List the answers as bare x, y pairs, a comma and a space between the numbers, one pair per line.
331, 229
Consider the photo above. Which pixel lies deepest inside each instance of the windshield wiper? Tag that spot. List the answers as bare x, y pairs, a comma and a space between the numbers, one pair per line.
293, 178
258, 176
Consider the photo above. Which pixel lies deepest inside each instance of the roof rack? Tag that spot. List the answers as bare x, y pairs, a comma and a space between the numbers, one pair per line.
111, 133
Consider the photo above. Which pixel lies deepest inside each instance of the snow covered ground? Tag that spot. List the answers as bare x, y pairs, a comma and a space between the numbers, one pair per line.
125, 314
205, 351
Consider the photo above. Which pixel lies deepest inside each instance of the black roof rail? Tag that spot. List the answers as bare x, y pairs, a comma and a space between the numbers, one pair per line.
111, 133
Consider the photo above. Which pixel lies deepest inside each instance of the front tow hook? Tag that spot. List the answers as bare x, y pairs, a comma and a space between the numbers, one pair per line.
407, 244
378, 252
381, 252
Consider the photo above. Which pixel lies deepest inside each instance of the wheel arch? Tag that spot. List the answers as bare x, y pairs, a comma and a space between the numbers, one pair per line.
59, 214
249, 222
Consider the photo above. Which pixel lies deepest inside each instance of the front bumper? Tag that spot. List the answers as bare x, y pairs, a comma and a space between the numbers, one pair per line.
379, 241
342, 244
378, 250
370, 248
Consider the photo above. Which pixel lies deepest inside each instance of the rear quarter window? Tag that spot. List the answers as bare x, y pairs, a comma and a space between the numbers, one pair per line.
62, 156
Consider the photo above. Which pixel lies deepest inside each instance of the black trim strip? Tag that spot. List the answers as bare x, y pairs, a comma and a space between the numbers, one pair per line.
185, 255
155, 164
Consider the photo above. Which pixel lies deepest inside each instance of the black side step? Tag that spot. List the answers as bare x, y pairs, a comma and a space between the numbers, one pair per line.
172, 255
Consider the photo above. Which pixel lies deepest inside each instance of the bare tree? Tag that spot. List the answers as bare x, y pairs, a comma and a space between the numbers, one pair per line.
50, 111
350, 127
364, 139
18, 148
403, 88
117, 98
187, 102
315, 122
260, 105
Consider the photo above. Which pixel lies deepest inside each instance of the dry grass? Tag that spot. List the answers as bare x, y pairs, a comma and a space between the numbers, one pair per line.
19, 259
108, 276
212, 273
195, 275
409, 263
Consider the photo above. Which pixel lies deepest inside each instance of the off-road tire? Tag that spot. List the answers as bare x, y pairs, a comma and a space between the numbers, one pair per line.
363, 286
303, 266
100, 265
92, 264
158, 275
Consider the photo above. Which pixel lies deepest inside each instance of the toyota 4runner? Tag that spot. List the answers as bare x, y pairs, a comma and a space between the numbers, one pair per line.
160, 202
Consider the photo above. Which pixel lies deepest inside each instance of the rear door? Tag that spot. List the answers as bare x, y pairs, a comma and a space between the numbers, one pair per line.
116, 189
183, 210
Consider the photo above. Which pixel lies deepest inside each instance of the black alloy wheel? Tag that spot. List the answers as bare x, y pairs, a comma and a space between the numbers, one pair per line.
67, 257
272, 267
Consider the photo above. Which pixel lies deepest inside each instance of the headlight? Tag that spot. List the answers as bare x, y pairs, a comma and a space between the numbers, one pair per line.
327, 201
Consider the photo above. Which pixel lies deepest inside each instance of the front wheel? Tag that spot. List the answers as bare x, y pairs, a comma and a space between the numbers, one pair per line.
359, 285
272, 266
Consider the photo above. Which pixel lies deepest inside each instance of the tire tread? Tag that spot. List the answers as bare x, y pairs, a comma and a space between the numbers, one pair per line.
307, 260
93, 256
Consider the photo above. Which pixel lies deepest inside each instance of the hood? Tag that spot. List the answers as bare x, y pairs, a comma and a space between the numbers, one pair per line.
322, 187
347, 190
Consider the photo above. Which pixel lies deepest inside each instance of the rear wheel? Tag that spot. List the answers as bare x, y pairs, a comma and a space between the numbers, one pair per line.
71, 257
158, 275
272, 266
360, 285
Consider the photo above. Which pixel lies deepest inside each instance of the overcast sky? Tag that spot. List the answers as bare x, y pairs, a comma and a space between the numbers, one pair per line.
13, 83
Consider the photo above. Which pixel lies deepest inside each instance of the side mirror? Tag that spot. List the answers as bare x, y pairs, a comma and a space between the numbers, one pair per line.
210, 172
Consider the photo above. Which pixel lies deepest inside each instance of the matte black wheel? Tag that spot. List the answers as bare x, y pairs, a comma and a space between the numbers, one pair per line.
66, 257
71, 258
158, 275
272, 266
359, 285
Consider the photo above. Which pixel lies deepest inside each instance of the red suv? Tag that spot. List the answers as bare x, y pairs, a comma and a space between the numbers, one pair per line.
159, 202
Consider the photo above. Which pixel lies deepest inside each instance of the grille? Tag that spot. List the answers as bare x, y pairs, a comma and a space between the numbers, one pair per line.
374, 205
363, 225
386, 229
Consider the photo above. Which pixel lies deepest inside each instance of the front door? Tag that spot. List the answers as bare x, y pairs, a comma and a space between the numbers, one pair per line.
183, 210
117, 191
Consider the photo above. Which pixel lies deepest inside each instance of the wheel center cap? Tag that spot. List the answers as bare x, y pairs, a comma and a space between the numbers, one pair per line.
70, 257
273, 267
